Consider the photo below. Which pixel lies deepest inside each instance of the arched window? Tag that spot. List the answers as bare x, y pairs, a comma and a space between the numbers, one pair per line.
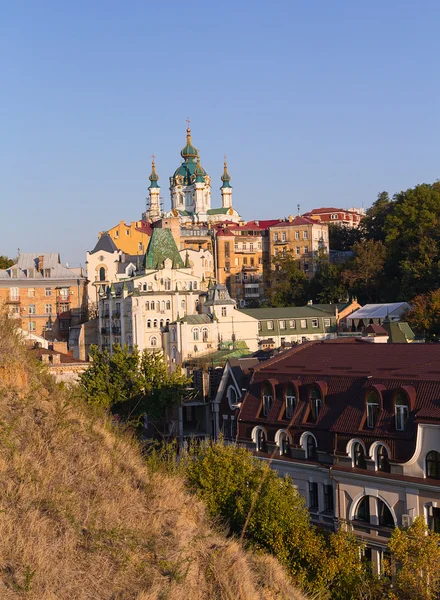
144, 287
205, 334
158, 306
174, 352
363, 510
153, 341
150, 287
282, 439
261, 441
147, 305
162, 305
372, 402
168, 284
359, 456
155, 323
309, 445
102, 274
168, 305
194, 285
382, 459
232, 396
433, 464
315, 403
384, 513
290, 400
161, 323
183, 304
267, 398
401, 406
149, 324
173, 334
195, 334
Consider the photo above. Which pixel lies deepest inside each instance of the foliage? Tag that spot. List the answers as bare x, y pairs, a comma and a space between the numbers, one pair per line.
416, 550
342, 237
131, 383
288, 282
327, 285
424, 315
365, 273
6, 262
373, 224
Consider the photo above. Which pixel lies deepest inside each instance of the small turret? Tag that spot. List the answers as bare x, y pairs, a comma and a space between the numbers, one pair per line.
153, 213
226, 188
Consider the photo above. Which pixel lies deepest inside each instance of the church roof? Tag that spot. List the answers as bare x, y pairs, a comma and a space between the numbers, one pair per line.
105, 244
218, 211
161, 247
218, 295
189, 151
154, 177
226, 178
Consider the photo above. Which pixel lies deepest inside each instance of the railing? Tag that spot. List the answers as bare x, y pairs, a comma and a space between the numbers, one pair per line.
194, 232
246, 251
250, 268
13, 300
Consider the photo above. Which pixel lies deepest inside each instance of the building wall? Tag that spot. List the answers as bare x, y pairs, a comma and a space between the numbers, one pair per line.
128, 238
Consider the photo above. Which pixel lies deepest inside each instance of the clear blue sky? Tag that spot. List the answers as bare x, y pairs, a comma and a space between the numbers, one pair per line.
317, 103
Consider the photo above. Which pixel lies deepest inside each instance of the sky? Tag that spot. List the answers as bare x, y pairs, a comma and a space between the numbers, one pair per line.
323, 103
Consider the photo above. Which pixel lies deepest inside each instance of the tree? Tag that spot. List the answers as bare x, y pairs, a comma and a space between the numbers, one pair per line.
287, 282
6, 262
416, 553
342, 237
373, 224
424, 315
365, 273
132, 384
327, 284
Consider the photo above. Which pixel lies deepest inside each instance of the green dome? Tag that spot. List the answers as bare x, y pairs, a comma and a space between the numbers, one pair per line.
226, 178
189, 152
199, 171
154, 177
185, 171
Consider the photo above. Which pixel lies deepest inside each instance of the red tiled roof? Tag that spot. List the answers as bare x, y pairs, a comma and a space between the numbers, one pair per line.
296, 221
320, 211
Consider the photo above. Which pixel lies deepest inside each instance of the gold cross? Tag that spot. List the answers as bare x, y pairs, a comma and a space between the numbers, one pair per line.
188, 121
225, 157
153, 157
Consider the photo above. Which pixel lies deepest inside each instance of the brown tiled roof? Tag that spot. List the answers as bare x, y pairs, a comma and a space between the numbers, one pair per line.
349, 370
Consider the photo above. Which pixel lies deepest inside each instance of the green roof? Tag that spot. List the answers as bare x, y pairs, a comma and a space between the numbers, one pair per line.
189, 151
220, 357
197, 319
400, 332
217, 211
285, 312
154, 177
226, 178
161, 247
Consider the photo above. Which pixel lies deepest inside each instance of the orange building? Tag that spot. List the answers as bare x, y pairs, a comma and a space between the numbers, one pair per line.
46, 296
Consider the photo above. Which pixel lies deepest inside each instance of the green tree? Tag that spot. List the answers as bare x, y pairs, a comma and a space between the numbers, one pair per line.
373, 224
132, 384
424, 315
416, 554
342, 237
365, 273
327, 284
287, 282
6, 262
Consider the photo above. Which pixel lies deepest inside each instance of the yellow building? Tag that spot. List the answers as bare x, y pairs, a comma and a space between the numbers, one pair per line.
131, 238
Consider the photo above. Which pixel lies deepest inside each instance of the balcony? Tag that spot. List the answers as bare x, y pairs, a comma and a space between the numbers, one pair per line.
13, 300
246, 251
250, 267
280, 242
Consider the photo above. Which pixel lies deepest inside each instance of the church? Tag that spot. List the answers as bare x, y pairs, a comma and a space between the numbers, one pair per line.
190, 191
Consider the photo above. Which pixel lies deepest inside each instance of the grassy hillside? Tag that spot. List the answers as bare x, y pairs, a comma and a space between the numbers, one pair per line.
81, 517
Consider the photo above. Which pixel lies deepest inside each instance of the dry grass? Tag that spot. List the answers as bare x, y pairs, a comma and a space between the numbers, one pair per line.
82, 518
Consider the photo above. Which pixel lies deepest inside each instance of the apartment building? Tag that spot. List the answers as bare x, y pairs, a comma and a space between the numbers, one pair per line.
44, 295
337, 216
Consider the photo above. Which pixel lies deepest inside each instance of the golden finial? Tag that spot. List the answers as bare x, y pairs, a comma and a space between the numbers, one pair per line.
188, 129
153, 158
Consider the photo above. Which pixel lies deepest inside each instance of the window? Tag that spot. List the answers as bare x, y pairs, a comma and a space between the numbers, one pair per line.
434, 519
245, 277
292, 324
64, 292
362, 513
140, 246
232, 397
283, 236
359, 456
127, 232
153, 341
315, 323
205, 334
327, 323
297, 235
64, 324
31, 273
382, 459
303, 324
363, 510
290, 400
48, 309
227, 249
311, 449
32, 326
168, 304
195, 334
306, 249
173, 335
267, 398
328, 498
13, 293
401, 411
275, 237
183, 304
251, 247
14, 274
433, 464
48, 292
31, 292
237, 278
283, 443
245, 260
270, 325
306, 267
313, 496
298, 250
149, 324
372, 409
305, 235
155, 323
46, 273
224, 313
315, 403
167, 284
282, 324
31, 309
261, 441
259, 246
385, 516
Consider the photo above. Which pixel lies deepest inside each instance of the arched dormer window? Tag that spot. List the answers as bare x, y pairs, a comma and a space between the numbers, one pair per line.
382, 458
267, 398
260, 439
102, 274
315, 403
282, 440
309, 445
433, 465
232, 396
401, 410
290, 399
359, 456
372, 407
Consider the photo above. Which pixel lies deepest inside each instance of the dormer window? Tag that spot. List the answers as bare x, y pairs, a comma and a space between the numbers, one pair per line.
433, 465
401, 406
359, 456
311, 448
267, 399
261, 440
382, 459
315, 403
290, 400
372, 409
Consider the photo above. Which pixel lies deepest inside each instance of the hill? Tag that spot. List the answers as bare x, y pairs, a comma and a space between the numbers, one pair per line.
81, 516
